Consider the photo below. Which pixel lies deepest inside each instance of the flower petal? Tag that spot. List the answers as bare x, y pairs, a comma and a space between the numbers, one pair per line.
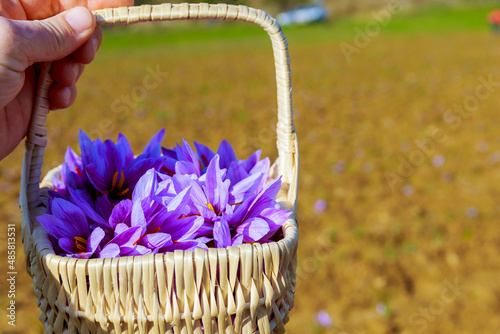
126, 236
183, 228
236, 172
96, 178
85, 147
146, 186
110, 251
71, 215
253, 229
185, 168
183, 245
179, 202
156, 240
226, 154
222, 234
104, 207
134, 251
81, 199
67, 245
137, 168
265, 199
94, 240
56, 227
123, 148
138, 218
121, 213
204, 153
275, 218
245, 188
172, 154
153, 148
252, 160
237, 240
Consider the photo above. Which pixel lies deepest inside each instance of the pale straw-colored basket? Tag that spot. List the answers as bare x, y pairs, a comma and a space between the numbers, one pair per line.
244, 289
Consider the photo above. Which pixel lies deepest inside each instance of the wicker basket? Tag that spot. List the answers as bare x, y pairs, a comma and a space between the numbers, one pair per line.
244, 289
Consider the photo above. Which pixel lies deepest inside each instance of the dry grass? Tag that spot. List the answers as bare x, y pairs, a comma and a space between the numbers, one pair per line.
372, 245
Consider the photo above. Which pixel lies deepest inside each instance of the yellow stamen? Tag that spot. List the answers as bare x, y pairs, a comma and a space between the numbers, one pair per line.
122, 180
113, 183
81, 244
210, 206
124, 192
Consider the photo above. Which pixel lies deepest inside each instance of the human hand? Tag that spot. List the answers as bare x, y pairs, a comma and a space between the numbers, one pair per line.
69, 38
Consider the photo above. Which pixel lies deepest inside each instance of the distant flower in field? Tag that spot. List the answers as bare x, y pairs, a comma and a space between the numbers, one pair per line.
405, 146
482, 146
312, 136
367, 167
339, 167
472, 212
209, 113
496, 156
447, 176
319, 206
324, 319
408, 190
381, 308
388, 123
438, 161
359, 153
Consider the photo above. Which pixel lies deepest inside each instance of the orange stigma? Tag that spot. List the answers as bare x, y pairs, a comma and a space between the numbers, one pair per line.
81, 244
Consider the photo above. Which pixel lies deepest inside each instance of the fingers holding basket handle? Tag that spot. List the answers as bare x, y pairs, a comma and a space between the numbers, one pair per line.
286, 141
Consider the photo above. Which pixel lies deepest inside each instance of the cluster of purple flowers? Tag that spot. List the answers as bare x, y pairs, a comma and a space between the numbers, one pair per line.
108, 203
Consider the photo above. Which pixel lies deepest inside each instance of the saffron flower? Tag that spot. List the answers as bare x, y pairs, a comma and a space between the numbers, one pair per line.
109, 168
236, 215
68, 224
110, 203
324, 319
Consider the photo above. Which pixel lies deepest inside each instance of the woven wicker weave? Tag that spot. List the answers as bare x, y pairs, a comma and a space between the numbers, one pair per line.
243, 289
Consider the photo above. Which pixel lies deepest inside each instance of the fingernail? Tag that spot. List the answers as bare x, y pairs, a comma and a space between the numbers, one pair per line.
79, 19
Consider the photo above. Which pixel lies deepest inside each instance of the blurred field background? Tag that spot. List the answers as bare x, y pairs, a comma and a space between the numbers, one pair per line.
393, 238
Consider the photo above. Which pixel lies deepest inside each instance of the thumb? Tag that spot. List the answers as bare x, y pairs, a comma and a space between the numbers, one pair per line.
56, 37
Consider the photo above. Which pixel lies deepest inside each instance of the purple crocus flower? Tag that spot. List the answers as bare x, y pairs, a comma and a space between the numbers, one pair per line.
237, 215
157, 216
259, 217
112, 169
69, 226
71, 174
324, 319
183, 160
110, 203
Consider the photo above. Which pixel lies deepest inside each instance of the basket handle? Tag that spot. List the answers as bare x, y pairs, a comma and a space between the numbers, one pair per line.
286, 138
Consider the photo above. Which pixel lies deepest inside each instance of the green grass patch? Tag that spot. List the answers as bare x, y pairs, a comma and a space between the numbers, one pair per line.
421, 20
